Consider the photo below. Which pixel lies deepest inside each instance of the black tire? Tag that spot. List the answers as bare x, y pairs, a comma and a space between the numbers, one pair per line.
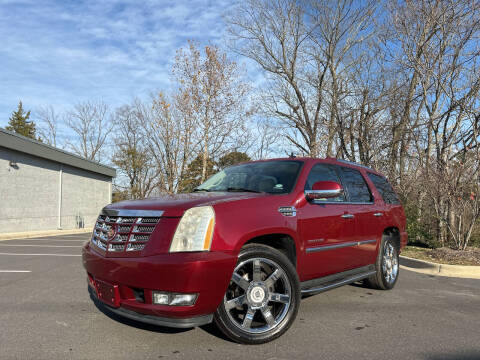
283, 285
385, 277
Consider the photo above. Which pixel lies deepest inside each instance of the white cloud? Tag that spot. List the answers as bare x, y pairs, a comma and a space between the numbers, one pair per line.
59, 53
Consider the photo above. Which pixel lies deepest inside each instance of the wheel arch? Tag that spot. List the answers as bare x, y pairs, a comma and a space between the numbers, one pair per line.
394, 233
281, 241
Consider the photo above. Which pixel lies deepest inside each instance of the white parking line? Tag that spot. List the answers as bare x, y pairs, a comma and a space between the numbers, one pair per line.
52, 246
2, 253
34, 240
15, 271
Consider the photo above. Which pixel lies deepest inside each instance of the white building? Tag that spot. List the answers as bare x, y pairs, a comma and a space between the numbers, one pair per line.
45, 188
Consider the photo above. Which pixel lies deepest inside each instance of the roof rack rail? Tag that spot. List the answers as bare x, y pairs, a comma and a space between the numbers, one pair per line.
355, 164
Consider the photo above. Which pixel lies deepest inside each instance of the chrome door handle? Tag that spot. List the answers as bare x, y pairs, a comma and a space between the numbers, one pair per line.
378, 214
348, 216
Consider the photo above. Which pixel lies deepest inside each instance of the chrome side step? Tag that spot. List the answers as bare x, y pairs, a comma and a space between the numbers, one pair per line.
333, 285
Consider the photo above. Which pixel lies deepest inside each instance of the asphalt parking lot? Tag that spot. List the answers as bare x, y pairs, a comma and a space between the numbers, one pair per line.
46, 313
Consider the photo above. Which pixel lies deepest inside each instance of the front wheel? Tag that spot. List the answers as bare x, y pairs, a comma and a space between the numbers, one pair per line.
262, 299
387, 265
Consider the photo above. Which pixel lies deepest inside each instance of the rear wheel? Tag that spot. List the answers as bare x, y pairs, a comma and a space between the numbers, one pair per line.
387, 266
262, 299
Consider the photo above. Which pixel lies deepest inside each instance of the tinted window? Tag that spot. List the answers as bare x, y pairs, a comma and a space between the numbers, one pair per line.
274, 177
384, 188
355, 185
322, 172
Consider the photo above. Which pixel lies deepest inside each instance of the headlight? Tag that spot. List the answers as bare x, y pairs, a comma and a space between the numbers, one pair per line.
195, 230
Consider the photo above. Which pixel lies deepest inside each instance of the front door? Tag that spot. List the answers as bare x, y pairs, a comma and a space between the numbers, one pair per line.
326, 228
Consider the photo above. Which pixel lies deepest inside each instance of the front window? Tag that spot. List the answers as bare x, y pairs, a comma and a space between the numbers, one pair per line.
323, 172
273, 177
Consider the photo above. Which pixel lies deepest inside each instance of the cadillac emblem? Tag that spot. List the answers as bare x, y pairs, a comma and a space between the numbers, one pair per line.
111, 231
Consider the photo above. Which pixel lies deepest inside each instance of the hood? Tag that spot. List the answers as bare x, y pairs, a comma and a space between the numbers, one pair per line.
176, 204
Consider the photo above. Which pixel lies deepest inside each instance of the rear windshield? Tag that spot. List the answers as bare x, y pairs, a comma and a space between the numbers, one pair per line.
274, 177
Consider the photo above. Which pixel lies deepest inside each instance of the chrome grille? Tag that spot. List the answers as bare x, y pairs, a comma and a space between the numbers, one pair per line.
126, 220
137, 237
124, 229
116, 247
122, 238
143, 229
135, 247
131, 233
151, 220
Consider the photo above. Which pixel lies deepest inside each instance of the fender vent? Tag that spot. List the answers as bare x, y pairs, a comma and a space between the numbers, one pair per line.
287, 210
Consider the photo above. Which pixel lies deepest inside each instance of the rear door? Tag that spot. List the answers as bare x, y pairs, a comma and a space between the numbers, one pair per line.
325, 227
390, 212
361, 204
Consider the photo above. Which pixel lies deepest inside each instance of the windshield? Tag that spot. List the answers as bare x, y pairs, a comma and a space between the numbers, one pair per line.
274, 177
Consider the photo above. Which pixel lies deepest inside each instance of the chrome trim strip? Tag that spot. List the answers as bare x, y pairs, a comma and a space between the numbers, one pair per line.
348, 216
132, 213
337, 284
320, 194
339, 246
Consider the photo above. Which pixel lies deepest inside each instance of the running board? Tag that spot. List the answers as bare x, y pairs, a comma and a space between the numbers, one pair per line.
351, 278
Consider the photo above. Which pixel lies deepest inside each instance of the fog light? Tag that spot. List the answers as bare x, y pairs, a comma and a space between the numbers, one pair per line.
173, 299
183, 299
160, 298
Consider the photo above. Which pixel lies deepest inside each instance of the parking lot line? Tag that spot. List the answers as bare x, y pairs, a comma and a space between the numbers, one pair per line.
15, 271
34, 240
44, 246
2, 253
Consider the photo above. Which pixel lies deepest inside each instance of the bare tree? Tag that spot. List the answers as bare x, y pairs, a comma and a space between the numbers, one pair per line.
169, 136
460, 186
274, 35
265, 139
438, 52
92, 123
131, 154
48, 121
212, 94
304, 47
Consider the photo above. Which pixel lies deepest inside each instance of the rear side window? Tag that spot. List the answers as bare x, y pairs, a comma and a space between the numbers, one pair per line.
322, 172
355, 184
384, 188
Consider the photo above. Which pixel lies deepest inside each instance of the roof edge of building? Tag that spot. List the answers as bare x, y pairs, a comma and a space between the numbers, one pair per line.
23, 144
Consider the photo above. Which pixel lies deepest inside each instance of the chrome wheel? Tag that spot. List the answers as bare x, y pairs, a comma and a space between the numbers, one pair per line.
259, 295
390, 263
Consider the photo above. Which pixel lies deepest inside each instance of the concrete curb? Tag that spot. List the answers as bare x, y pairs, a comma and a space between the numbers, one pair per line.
35, 234
431, 268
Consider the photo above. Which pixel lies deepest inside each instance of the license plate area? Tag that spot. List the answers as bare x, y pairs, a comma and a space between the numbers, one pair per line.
108, 293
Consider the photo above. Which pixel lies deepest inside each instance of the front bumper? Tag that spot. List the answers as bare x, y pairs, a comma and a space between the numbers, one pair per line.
182, 323
206, 274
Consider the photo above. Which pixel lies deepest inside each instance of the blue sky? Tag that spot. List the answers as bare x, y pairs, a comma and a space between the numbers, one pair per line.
62, 52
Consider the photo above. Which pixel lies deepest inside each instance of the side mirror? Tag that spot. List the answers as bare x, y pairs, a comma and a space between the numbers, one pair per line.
324, 190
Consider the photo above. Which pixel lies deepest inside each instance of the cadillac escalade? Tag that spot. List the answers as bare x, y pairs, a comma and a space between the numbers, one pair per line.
246, 246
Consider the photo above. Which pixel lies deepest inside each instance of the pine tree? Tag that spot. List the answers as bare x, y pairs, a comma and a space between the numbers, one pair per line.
19, 123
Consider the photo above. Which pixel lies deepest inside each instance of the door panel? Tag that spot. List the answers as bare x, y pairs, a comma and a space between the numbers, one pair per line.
325, 227
367, 225
324, 230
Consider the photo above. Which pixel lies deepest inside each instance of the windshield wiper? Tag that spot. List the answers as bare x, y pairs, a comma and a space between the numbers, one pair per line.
243, 190
198, 189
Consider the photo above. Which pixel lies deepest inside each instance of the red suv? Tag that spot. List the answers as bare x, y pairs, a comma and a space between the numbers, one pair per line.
244, 247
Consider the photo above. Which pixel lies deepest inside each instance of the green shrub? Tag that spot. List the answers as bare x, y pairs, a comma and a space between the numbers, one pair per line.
420, 233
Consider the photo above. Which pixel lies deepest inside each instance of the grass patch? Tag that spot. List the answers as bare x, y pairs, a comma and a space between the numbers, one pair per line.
470, 256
